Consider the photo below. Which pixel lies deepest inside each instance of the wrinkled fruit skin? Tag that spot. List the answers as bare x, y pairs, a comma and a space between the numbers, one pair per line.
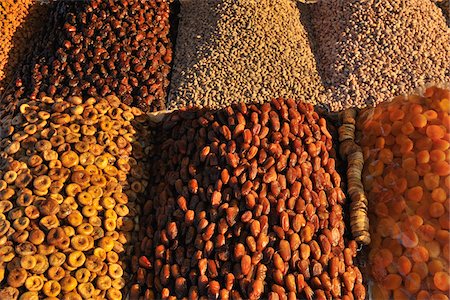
246, 202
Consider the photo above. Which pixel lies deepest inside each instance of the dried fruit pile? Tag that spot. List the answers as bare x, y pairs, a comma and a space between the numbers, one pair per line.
71, 175
252, 50
99, 48
370, 51
406, 147
20, 20
246, 203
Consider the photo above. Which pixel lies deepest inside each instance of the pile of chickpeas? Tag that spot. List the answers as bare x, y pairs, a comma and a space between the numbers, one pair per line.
71, 174
406, 144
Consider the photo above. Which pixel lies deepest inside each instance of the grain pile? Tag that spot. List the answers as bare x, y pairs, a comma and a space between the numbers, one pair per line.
249, 50
370, 51
407, 151
246, 203
14, 37
97, 48
71, 174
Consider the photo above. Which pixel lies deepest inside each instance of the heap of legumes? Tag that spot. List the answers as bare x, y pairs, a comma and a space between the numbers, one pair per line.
250, 50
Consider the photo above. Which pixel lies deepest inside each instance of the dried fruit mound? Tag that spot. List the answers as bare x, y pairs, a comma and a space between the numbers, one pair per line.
245, 202
370, 51
97, 48
241, 51
71, 174
406, 147
14, 39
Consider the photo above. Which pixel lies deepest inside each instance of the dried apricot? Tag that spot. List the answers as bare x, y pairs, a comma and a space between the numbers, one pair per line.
439, 195
435, 132
409, 238
392, 281
404, 265
436, 209
414, 194
423, 157
412, 282
419, 121
421, 268
419, 254
441, 281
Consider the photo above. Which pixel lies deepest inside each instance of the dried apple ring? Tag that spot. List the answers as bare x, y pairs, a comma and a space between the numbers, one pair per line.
9, 293
25, 248
115, 271
98, 180
76, 259
56, 273
84, 198
82, 275
70, 159
87, 159
89, 211
118, 283
9, 177
57, 259
72, 189
28, 262
42, 182
95, 191
94, 263
34, 283
41, 264
68, 284
86, 290
17, 277
79, 242
113, 294
108, 203
81, 177
49, 222
4, 226
109, 224
51, 288
112, 257
106, 243
75, 218
85, 229
103, 282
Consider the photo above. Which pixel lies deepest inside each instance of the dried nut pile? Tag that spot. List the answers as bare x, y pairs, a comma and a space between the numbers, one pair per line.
14, 39
116, 47
250, 50
71, 173
371, 51
406, 145
246, 203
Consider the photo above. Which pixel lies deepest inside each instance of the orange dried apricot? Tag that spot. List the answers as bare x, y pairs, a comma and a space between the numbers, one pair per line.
426, 232
430, 114
400, 294
407, 128
409, 238
441, 145
436, 209
431, 181
392, 281
420, 268
441, 281
437, 155
435, 266
423, 295
439, 296
435, 132
404, 265
419, 121
419, 254
441, 168
423, 157
439, 195
413, 282
386, 156
414, 194
434, 249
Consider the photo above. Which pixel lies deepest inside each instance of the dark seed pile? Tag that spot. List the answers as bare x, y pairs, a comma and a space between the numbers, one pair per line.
97, 48
245, 202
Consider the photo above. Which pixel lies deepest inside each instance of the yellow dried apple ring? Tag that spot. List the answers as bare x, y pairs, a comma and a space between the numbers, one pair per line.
16, 278
87, 158
57, 140
56, 273
9, 177
109, 224
115, 271
32, 212
12, 148
84, 198
100, 253
76, 259
41, 264
94, 263
18, 236
35, 161
89, 211
9, 293
92, 170
113, 294
98, 180
75, 128
110, 214
57, 259
95, 191
30, 129
55, 236
68, 284
79, 242
101, 162
37, 236
106, 243
107, 203
82, 275
86, 290
85, 229
51, 288
42, 182
28, 262
5, 206
70, 159
118, 283
81, 177
23, 180
72, 296
75, 218
70, 201
88, 130
112, 257
34, 283
49, 222
7, 194
49, 155
103, 282
72, 189
82, 147
40, 192
121, 210
25, 248
21, 223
